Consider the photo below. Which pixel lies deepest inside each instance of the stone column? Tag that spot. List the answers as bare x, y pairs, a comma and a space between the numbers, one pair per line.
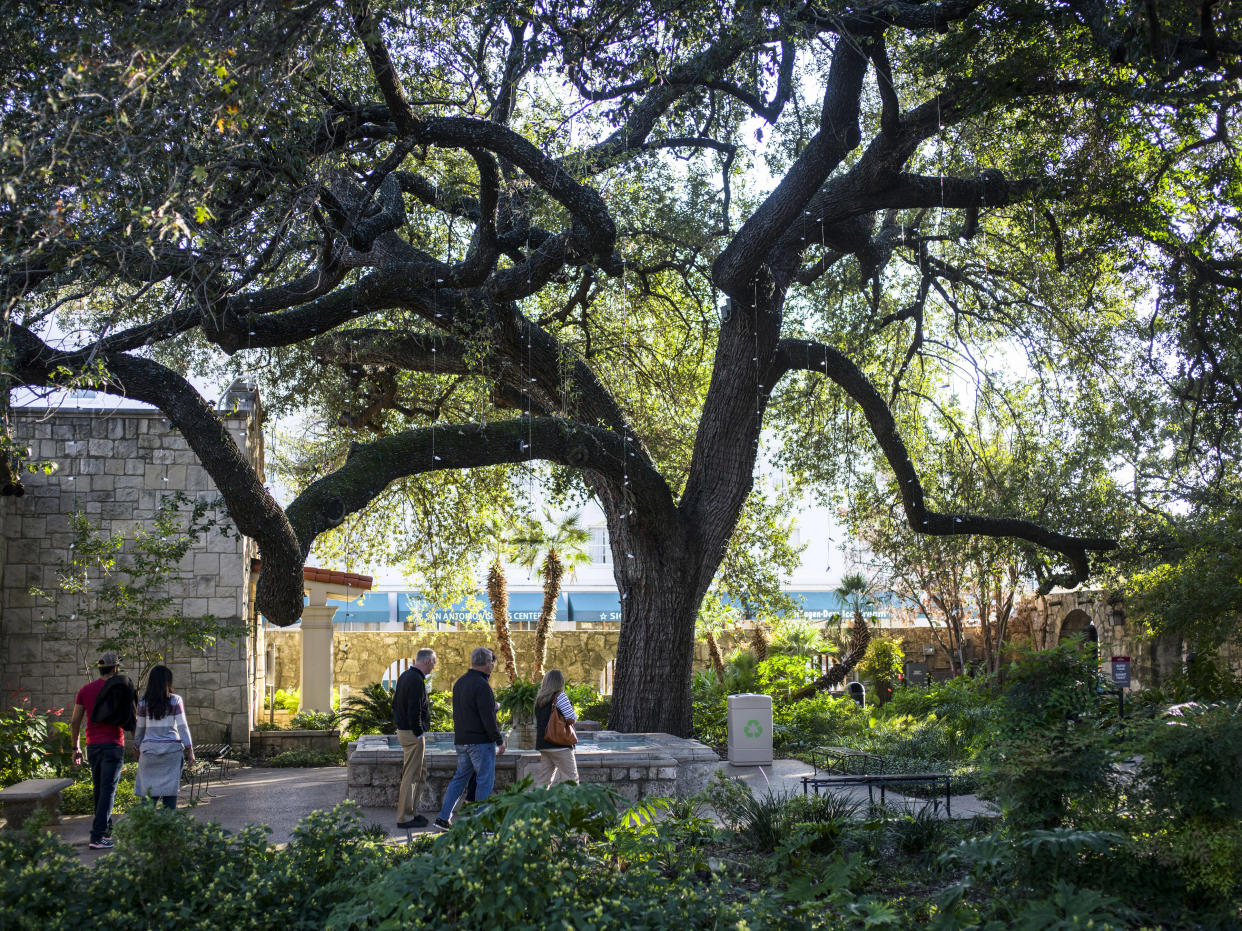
317, 657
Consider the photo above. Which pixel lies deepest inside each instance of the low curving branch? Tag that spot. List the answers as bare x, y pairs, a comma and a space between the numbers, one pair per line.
794, 354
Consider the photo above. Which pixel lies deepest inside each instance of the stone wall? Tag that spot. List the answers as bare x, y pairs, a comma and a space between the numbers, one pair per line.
361, 657
116, 466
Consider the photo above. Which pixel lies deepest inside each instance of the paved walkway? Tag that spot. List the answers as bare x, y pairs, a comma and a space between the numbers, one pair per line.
280, 798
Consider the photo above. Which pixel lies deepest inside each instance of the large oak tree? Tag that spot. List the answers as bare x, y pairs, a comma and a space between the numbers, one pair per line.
474, 230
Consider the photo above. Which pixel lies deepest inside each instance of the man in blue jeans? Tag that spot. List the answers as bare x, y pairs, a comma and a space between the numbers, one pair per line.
105, 750
476, 733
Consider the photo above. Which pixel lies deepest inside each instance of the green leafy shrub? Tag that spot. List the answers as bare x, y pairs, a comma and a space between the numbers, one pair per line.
741, 672
1038, 780
1048, 758
1046, 688
32, 744
305, 758
518, 697
589, 703
79, 798
289, 701
883, 665
525, 862
778, 675
441, 704
964, 706
1192, 758
315, 720
169, 870
815, 721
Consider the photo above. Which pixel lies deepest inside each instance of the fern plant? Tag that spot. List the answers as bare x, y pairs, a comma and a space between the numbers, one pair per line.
369, 711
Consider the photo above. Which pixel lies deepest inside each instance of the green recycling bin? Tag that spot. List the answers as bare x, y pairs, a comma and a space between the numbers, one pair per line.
750, 729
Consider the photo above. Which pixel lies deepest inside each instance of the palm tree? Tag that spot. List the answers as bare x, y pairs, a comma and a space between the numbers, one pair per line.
856, 591
497, 533
562, 544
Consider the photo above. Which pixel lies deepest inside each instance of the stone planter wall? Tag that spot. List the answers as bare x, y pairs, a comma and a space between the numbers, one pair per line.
667, 766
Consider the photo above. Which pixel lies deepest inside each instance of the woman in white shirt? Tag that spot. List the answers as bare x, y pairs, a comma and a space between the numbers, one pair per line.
558, 763
163, 740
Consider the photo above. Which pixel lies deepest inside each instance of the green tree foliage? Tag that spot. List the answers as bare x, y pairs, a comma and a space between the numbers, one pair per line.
1193, 589
883, 664
1000, 462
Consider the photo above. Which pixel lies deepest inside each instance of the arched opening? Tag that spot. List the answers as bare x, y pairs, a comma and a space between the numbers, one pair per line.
393, 673
1075, 624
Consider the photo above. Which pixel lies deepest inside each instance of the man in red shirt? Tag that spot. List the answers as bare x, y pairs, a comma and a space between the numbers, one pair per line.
105, 750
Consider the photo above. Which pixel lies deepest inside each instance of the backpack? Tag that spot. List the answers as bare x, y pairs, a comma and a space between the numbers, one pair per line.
117, 704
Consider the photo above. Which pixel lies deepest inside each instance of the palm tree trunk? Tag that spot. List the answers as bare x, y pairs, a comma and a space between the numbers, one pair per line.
759, 643
552, 573
497, 593
713, 651
836, 675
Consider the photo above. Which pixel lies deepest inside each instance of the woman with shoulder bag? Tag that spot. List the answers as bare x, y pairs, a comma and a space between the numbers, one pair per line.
163, 740
558, 763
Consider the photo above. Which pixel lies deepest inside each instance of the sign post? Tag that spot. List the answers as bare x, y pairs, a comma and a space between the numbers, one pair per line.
1121, 680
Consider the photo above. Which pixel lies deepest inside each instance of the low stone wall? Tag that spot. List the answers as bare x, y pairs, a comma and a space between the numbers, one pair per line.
663, 766
270, 743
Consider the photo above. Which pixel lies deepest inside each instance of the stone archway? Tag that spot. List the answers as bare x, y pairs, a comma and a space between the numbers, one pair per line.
1074, 624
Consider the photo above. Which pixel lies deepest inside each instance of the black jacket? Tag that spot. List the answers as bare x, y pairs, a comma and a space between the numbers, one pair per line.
474, 710
410, 708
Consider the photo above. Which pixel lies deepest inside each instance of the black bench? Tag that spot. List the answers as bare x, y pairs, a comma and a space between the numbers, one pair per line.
882, 781
845, 761
217, 754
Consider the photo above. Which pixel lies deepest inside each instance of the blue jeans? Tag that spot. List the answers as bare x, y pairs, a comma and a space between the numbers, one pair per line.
477, 760
106, 761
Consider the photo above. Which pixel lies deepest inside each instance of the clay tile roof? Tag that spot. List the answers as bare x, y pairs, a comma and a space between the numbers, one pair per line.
332, 577
327, 576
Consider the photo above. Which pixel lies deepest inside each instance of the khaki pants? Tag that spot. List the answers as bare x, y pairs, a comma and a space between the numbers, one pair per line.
413, 774
556, 766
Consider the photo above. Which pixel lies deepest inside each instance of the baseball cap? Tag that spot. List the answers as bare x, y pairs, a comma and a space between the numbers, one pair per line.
108, 658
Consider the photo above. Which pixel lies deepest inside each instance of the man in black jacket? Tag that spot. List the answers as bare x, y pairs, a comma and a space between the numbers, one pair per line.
412, 713
476, 733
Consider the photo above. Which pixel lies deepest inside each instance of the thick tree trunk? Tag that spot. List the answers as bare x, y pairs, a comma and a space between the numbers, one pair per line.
659, 607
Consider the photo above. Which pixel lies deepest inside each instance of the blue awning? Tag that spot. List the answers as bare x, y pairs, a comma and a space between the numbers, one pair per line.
527, 606
412, 606
523, 607
594, 606
371, 608
819, 606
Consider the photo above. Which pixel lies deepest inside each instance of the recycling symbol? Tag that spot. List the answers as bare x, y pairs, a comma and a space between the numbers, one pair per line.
753, 728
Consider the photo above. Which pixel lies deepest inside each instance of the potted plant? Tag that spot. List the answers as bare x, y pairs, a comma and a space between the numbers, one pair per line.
518, 699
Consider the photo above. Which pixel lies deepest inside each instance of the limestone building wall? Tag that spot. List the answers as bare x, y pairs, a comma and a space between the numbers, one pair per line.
117, 466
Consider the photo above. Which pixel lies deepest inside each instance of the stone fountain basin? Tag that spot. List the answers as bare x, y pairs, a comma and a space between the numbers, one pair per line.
635, 765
